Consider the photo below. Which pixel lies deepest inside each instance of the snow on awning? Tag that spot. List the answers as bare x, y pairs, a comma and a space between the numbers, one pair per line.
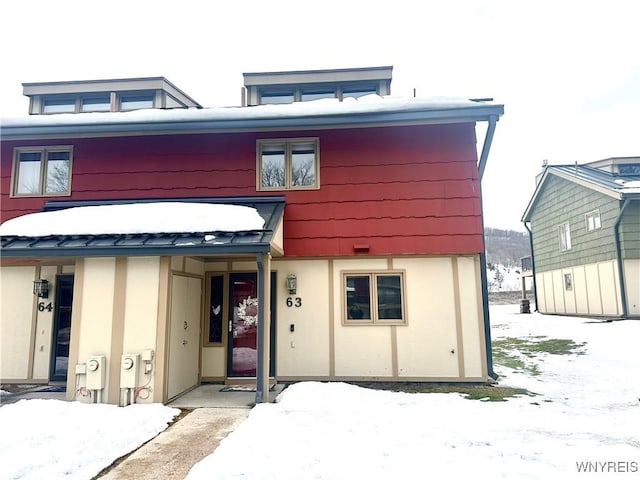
160, 217
243, 225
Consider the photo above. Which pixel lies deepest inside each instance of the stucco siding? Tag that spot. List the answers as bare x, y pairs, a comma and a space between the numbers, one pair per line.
305, 351
632, 279
595, 290
44, 327
427, 344
360, 350
96, 323
17, 321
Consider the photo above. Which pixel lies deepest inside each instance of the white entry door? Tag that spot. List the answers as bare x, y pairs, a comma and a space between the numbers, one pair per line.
184, 334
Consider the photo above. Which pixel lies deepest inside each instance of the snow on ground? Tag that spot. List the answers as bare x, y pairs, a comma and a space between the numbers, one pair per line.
587, 410
52, 439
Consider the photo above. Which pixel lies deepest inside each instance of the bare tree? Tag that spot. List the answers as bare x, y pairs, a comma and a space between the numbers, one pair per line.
272, 174
58, 176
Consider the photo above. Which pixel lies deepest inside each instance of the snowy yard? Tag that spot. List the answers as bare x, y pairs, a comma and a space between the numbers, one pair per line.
585, 415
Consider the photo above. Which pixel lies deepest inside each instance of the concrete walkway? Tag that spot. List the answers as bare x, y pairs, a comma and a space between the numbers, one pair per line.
173, 452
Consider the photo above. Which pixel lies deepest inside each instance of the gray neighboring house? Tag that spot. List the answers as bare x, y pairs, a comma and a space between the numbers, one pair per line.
584, 222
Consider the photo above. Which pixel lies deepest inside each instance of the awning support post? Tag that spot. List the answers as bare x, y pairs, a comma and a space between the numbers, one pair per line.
264, 322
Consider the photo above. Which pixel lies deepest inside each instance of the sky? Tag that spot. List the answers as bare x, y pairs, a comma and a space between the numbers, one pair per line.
567, 71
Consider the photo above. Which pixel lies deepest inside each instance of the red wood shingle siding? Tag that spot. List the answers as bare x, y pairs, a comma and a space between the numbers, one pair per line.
411, 189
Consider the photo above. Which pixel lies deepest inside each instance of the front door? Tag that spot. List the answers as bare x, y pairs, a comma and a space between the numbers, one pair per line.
243, 325
61, 328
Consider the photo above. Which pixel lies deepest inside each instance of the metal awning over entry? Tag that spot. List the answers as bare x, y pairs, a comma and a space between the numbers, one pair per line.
209, 242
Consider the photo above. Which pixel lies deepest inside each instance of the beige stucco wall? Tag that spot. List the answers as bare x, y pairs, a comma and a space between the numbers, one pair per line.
632, 279
425, 345
305, 351
360, 350
96, 317
472, 319
141, 317
595, 290
16, 321
44, 327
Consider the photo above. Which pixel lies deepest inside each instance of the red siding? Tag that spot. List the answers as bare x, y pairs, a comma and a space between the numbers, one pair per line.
410, 189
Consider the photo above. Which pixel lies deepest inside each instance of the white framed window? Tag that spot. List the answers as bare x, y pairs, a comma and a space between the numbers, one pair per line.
373, 298
565, 237
568, 281
136, 101
59, 105
42, 171
288, 164
592, 220
100, 103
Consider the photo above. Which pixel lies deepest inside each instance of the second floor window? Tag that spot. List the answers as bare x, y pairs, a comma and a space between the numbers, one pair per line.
42, 171
565, 237
288, 164
593, 220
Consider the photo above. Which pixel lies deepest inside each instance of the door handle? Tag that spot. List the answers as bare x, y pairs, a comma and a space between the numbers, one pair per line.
184, 342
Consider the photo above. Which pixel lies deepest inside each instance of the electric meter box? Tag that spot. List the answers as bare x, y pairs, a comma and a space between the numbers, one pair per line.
129, 370
96, 368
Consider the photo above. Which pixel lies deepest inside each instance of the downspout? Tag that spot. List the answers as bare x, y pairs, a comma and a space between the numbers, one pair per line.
616, 234
260, 360
491, 128
483, 256
533, 265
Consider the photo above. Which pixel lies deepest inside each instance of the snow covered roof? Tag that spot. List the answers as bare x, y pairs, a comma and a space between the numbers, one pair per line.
242, 225
369, 110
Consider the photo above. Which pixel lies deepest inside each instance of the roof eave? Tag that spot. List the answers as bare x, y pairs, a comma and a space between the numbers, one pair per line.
131, 251
444, 115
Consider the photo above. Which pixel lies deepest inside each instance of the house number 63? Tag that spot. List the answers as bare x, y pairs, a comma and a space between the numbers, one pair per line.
294, 302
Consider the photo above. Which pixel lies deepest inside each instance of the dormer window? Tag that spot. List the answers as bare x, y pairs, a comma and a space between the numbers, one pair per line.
136, 101
303, 86
59, 105
96, 104
116, 95
276, 97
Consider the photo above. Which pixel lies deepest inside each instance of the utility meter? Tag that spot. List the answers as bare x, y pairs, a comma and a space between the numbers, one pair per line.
92, 365
127, 363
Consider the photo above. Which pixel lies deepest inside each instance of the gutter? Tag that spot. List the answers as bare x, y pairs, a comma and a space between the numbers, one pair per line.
187, 124
616, 235
533, 265
483, 256
487, 145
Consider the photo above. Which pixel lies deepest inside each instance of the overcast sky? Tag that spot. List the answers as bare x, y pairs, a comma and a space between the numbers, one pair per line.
568, 72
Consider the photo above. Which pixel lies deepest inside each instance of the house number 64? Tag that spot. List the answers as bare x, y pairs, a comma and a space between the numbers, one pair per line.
294, 302
42, 307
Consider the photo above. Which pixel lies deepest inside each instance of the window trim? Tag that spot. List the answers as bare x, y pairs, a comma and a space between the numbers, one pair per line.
42, 150
288, 142
373, 295
568, 281
225, 310
565, 228
596, 215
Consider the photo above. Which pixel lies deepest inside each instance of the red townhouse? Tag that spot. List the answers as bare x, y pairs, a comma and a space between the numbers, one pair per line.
324, 230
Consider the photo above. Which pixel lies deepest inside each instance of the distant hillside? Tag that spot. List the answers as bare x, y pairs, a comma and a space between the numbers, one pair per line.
506, 247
